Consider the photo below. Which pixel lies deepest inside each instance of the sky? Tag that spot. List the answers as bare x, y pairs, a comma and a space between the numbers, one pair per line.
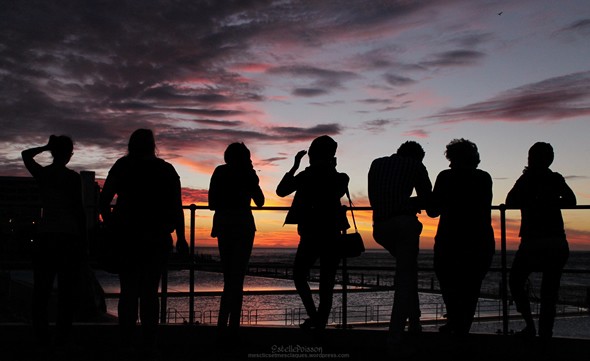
276, 74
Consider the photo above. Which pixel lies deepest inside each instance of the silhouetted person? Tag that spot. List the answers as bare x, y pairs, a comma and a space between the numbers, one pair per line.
464, 242
148, 209
233, 186
317, 211
61, 243
396, 228
539, 193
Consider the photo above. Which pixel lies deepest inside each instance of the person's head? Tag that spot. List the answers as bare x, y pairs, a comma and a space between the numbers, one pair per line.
411, 149
540, 155
462, 153
237, 154
322, 149
61, 147
142, 144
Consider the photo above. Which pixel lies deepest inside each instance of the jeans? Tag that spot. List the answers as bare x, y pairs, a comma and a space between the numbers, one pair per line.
400, 235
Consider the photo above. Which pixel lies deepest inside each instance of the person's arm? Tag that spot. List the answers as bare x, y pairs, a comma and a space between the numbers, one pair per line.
257, 195
515, 195
80, 210
106, 196
434, 207
568, 198
213, 193
28, 156
181, 243
288, 185
423, 188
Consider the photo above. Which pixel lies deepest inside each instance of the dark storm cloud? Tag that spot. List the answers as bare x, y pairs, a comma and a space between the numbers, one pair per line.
556, 98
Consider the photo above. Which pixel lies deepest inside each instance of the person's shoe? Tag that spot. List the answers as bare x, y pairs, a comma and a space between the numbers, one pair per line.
446, 329
527, 332
308, 324
414, 327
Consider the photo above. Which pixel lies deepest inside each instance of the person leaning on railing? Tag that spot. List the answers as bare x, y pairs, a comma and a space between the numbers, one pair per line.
540, 194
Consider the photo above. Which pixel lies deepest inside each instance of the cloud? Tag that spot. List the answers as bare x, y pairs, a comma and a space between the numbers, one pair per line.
398, 80
269, 161
453, 58
377, 125
552, 99
322, 81
581, 26
194, 196
417, 133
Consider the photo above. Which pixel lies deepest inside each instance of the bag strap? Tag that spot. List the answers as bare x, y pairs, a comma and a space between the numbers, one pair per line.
351, 211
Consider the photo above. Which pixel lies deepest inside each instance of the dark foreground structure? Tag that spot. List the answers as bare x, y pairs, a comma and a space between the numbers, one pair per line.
182, 342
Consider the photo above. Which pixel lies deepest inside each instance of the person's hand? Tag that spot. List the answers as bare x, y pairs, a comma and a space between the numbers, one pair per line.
182, 247
52, 139
298, 158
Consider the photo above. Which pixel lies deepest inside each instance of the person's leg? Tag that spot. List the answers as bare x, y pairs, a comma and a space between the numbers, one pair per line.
328, 268
304, 259
405, 302
225, 256
555, 261
443, 269
149, 307
519, 274
477, 267
44, 272
240, 265
68, 270
128, 303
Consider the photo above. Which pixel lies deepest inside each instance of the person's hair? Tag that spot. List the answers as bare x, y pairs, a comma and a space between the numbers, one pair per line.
237, 154
411, 149
540, 155
322, 148
462, 154
142, 143
62, 146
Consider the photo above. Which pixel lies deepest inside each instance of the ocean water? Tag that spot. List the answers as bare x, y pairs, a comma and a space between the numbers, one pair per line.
365, 308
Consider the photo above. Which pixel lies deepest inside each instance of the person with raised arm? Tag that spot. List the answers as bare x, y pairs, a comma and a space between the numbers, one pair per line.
60, 246
318, 213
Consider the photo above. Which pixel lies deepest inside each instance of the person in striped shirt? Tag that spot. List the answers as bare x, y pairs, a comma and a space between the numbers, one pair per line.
392, 181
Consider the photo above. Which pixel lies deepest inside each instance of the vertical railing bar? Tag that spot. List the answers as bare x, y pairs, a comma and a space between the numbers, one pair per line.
191, 297
164, 295
504, 286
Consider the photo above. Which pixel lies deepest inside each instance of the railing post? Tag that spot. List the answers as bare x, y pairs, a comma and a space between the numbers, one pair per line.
191, 297
504, 285
344, 293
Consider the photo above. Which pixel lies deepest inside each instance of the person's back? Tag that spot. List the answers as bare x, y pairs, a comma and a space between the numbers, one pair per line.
464, 207
540, 193
392, 181
146, 189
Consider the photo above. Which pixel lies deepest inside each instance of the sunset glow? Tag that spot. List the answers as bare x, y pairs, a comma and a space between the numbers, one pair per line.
276, 74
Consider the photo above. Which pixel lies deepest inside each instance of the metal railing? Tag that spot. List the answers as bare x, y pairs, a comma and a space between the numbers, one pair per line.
344, 267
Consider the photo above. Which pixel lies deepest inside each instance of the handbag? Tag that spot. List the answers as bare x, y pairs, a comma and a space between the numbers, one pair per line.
352, 244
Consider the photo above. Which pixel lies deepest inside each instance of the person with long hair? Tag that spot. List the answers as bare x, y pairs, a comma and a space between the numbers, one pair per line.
232, 188
539, 193
464, 243
317, 211
61, 244
148, 209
